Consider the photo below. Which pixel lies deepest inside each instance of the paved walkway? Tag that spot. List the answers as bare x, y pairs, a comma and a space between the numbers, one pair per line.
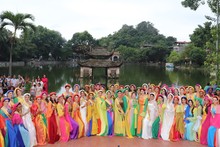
96, 141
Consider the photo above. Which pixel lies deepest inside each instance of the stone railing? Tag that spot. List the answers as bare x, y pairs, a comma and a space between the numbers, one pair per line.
6, 64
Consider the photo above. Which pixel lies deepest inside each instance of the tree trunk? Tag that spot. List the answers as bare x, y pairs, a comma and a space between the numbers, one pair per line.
11, 51
10, 60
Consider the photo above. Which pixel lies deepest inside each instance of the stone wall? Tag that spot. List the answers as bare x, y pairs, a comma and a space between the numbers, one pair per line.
6, 64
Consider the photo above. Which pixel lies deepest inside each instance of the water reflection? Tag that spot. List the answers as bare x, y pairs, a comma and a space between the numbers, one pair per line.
136, 74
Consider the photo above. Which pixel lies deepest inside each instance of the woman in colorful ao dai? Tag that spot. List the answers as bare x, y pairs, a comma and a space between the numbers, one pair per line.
213, 132
77, 116
39, 121
5, 112
63, 124
22, 134
74, 127
27, 120
119, 129
91, 117
168, 117
52, 119
110, 113
152, 113
143, 103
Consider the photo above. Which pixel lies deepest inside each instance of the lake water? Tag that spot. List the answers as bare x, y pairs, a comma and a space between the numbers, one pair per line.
136, 74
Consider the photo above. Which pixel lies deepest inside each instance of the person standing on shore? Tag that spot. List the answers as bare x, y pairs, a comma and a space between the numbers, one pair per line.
45, 81
39, 89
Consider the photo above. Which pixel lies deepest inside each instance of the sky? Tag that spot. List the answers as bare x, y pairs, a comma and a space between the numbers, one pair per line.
103, 17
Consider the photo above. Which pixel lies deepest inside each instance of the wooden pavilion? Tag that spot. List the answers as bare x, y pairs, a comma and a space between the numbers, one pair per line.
100, 58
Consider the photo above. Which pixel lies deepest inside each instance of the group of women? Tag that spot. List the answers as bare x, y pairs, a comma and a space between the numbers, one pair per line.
159, 112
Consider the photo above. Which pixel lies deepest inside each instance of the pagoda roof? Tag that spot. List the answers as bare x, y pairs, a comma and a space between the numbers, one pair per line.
100, 52
99, 63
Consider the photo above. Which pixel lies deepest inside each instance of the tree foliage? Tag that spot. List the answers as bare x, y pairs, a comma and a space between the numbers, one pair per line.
82, 42
194, 4
144, 39
174, 57
4, 44
211, 58
143, 34
142, 43
201, 35
151, 54
41, 42
196, 55
18, 21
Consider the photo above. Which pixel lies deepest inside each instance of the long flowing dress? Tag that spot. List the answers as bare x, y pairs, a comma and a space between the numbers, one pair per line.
10, 136
143, 102
126, 109
22, 134
45, 81
119, 118
40, 124
96, 100
29, 125
43, 108
133, 116
51, 116
152, 113
205, 125
167, 120
83, 114
188, 113
190, 134
198, 123
2, 126
63, 124
214, 126
110, 116
92, 119
77, 117
157, 124
74, 127
177, 129
101, 105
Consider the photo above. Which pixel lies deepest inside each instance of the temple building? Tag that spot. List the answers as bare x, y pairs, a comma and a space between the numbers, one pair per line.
101, 58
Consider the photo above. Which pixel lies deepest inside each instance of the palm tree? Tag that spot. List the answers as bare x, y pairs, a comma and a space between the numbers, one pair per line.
18, 22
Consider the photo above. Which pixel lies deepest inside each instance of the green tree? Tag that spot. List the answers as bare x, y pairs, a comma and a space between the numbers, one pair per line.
170, 41
158, 54
194, 4
4, 44
128, 54
214, 5
143, 34
197, 55
18, 22
82, 42
47, 42
174, 57
202, 35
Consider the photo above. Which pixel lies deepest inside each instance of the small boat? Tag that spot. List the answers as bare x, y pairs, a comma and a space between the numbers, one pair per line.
169, 65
